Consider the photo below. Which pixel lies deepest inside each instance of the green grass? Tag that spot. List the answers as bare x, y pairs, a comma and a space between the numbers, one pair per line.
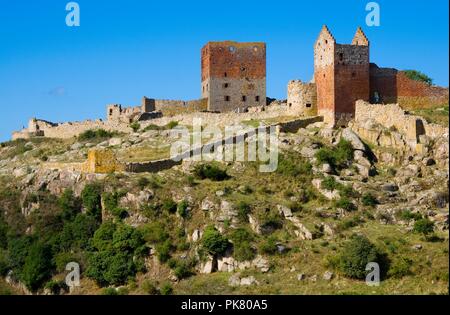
438, 115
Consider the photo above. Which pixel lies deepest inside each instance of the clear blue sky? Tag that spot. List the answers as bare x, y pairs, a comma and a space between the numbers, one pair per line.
126, 49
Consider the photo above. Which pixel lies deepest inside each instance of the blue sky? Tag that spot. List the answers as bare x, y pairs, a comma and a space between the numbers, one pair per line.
126, 49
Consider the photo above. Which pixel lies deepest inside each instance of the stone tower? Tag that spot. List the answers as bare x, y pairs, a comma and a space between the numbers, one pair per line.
341, 73
302, 98
233, 75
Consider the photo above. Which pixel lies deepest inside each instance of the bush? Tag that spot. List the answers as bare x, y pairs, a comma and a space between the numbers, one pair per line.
243, 211
37, 267
355, 255
111, 203
4, 263
172, 124
135, 126
155, 232
214, 242
69, 204
170, 206
143, 182
329, 183
400, 268
55, 287
290, 165
338, 156
423, 226
149, 288
407, 215
269, 246
242, 247
163, 250
345, 203
212, 172
182, 209
166, 289
183, 270
418, 76
95, 134
92, 201
369, 200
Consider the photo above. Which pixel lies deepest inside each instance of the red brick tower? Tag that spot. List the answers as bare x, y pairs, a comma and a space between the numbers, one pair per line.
341, 73
234, 75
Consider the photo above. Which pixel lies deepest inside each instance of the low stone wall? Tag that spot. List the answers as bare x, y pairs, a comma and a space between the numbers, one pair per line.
174, 107
151, 166
294, 125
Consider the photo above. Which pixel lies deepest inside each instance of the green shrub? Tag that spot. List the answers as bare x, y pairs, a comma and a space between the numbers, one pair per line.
92, 200
243, 211
400, 268
149, 288
69, 204
345, 203
166, 289
96, 134
77, 234
369, 200
336, 157
423, 226
170, 206
356, 254
242, 248
111, 203
163, 250
329, 183
143, 182
37, 267
182, 209
269, 246
183, 269
418, 76
172, 124
155, 232
407, 215
290, 165
212, 172
214, 242
4, 263
135, 126
55, 287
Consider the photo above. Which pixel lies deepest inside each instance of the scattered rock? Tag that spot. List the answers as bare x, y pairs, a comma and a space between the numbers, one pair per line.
285, 211
301, 277
328, 275
390, 187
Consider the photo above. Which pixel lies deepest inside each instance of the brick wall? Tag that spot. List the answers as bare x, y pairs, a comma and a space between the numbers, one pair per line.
394, 86
233, 75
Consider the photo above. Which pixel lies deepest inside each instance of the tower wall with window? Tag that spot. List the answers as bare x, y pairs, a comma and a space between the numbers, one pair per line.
233, 75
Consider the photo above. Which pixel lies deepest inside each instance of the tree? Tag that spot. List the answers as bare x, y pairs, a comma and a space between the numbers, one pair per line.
38, 266
91, 197
214, 242
355, 256
418, 76
69, 204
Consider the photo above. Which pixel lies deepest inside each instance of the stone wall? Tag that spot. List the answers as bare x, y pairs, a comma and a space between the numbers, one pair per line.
233, 75
393, 86
176, 107
102, 162
302, 98
393, 117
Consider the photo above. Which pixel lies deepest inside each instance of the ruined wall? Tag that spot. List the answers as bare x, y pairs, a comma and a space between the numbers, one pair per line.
233, 75
302, 98
173, 107
102, 162
393, 86
393, 117
341, 74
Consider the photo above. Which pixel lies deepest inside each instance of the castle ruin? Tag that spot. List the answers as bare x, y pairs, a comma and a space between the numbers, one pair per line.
233, 75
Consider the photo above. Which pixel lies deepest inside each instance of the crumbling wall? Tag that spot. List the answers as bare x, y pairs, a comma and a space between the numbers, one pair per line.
176, 107
102, 161
388, 85
393, 117
302, 98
